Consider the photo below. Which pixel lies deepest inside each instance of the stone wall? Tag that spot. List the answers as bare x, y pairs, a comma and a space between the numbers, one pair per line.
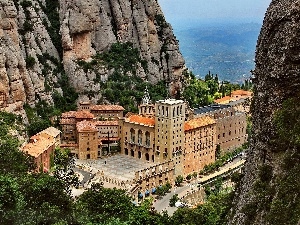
231, 131
276, 79
134, 148
199, 148
154, 176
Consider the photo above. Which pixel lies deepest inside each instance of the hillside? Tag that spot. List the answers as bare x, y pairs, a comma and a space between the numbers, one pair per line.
45, 45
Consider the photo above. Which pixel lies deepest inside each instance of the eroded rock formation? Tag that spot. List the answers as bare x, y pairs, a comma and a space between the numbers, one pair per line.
23, 38
261, 197
35, 41
92, 26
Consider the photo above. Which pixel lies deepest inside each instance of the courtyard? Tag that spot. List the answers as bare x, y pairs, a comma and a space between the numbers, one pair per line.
118, 167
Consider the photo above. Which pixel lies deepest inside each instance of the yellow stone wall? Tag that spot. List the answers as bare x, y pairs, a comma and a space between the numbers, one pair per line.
134, 148
169, 132
199, 150
154, 176
88, 145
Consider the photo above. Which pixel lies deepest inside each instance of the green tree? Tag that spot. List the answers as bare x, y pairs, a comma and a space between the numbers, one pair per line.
197, 93
212, 212
63, 168
189, 176
173, 200
99, 204
178, 180
195, 174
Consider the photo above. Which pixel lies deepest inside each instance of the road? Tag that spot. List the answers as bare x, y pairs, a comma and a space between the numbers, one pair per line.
86, 175
163, 204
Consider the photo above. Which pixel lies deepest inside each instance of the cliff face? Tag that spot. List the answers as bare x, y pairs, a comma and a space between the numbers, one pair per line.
36, 37
269, 191
21, 43
92, 26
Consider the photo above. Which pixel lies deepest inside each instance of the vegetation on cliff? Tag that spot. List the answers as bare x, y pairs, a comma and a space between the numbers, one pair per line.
276, 193
124, 86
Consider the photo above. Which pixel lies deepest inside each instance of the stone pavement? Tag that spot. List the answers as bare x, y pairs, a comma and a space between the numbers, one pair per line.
120, 167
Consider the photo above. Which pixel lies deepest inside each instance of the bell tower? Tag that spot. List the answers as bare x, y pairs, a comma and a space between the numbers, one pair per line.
146, 108
169, 131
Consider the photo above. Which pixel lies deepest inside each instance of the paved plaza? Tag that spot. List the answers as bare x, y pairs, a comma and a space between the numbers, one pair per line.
120, 167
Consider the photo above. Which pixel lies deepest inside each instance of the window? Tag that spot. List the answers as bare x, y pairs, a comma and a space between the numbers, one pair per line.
140, 135
132, 135
147, 134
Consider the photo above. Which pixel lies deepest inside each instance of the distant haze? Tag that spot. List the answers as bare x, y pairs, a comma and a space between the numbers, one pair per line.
214, 10
216, 35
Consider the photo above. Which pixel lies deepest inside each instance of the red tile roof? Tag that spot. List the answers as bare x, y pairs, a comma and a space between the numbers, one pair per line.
69, 114
198, 122
86, 126
241, 92
107, 107
78, 115
39, 144
148, 121
224, 99
84, 115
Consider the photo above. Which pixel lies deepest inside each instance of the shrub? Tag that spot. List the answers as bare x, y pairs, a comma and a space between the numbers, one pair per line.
27, 26
30, 62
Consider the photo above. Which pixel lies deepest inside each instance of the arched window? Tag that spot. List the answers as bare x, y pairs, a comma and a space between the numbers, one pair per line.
132, 153
132, 135
126, 151
181, 110
147, 156
163, 110
147, 134
140, 137
139, 155
177, 110
167, 111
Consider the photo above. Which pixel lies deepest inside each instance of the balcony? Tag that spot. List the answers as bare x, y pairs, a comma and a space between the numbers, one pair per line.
147, 146
131, 142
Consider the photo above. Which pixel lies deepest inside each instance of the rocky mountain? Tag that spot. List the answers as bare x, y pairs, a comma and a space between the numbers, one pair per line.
42, 42
269, 191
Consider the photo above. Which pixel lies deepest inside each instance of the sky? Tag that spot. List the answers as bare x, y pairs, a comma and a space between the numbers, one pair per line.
214, 10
